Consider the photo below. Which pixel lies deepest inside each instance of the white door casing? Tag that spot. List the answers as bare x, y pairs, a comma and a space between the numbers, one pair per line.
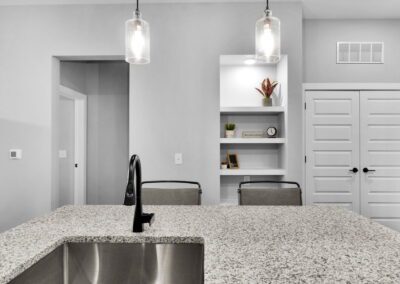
332, 148
380, 152
80, 101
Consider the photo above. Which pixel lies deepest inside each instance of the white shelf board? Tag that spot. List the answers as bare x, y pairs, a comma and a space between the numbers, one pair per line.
253, 172
250, 110
252, 140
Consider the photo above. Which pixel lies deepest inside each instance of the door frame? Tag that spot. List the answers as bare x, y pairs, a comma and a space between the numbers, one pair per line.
80, 128
334, 87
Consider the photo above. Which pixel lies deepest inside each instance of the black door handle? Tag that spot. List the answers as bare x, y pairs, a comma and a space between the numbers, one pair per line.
354, 170
366, 170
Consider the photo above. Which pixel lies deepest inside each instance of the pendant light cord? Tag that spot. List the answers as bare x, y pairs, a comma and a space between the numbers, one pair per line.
267, 11
137, 6
267, 7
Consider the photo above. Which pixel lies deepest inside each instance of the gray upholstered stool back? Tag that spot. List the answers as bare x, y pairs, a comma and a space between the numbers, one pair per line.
153, 195
269, 196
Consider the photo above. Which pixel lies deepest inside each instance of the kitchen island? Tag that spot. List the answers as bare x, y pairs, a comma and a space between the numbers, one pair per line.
309, 244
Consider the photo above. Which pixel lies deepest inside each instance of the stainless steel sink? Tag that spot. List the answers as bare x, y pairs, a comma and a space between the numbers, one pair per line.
118, 263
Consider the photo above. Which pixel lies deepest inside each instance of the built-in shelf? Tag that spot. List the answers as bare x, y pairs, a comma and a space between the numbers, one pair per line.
252, 110
252, 140
242, 105
253, 172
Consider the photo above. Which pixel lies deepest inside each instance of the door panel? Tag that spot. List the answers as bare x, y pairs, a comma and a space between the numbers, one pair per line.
380, 151
332, 138
66, 138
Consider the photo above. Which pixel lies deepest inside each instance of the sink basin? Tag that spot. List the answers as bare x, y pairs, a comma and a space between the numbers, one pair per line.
118, 263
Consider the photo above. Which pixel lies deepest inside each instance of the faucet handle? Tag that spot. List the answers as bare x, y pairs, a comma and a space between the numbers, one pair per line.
148, 218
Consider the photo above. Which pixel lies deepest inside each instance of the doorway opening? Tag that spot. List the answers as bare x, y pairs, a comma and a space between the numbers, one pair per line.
93, 131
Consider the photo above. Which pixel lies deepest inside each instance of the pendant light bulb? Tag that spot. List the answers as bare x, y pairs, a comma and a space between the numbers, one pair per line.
137, 39
268, 38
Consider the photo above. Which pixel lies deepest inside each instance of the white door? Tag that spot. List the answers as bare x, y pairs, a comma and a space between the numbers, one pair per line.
66, 138
72, 147
380, 154
332, 150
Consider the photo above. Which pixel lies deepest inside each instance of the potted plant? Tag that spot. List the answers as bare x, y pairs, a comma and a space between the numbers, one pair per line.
224, 165
267, 89
230, 130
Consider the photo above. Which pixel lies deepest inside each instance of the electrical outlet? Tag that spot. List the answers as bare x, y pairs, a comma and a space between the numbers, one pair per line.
62, 154
178, 159
246, 178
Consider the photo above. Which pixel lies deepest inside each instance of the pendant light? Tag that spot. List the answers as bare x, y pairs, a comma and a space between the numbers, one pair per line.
268, 37
137, 39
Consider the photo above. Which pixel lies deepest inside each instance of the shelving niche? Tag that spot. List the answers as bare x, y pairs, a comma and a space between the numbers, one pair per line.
240, 103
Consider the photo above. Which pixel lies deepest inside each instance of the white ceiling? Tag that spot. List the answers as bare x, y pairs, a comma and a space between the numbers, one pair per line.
313, 9
351, 9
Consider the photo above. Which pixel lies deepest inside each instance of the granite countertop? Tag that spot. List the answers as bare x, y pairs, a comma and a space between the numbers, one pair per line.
309, 244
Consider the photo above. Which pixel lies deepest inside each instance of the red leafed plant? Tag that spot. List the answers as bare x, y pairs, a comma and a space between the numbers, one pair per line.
267, 88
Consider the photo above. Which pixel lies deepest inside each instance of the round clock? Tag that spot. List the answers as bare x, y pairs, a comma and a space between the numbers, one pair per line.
271, 132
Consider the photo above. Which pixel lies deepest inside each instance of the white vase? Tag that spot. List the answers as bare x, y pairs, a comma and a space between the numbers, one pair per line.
229, 133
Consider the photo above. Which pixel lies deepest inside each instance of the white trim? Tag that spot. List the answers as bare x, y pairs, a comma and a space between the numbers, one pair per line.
80, 142
351, 86
116, 57
252, 140
71, 94
253, 172
250, 110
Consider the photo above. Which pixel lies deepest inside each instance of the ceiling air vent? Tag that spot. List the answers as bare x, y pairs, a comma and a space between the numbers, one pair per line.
360, 52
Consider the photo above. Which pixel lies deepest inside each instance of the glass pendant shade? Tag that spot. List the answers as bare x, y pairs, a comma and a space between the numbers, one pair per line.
268, 38
137, 40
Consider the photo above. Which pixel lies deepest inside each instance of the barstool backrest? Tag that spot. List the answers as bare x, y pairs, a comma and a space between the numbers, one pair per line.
268, 195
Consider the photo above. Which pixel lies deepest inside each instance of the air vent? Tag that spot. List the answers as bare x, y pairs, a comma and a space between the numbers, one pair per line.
360, 53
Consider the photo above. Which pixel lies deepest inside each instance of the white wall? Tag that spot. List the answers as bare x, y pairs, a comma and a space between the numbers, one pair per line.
29, 37
320, 37
174, 99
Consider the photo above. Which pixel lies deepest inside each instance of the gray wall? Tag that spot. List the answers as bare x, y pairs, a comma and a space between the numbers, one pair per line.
174, 99
320, 37
108, 132
107, 86
74, 75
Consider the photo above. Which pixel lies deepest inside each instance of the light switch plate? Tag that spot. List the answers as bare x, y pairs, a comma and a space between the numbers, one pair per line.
15, 154
178, 159
62, 154
246, 178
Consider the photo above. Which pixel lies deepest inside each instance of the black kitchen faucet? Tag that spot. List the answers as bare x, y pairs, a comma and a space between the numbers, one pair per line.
140, 218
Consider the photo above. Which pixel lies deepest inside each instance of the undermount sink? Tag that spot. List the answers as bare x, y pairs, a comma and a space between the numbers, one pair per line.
119, 263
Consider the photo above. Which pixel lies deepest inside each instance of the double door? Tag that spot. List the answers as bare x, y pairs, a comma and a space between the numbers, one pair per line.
353, 152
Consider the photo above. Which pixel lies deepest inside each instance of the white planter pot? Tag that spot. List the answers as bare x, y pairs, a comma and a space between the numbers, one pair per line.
224, 166
229, 133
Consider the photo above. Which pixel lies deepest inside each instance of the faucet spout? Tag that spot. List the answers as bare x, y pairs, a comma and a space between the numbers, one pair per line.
140, 218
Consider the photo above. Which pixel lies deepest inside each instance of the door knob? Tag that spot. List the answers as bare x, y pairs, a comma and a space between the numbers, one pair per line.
366, 170
354, 170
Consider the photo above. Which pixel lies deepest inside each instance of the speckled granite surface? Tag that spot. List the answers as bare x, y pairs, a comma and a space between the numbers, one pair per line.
242, 244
